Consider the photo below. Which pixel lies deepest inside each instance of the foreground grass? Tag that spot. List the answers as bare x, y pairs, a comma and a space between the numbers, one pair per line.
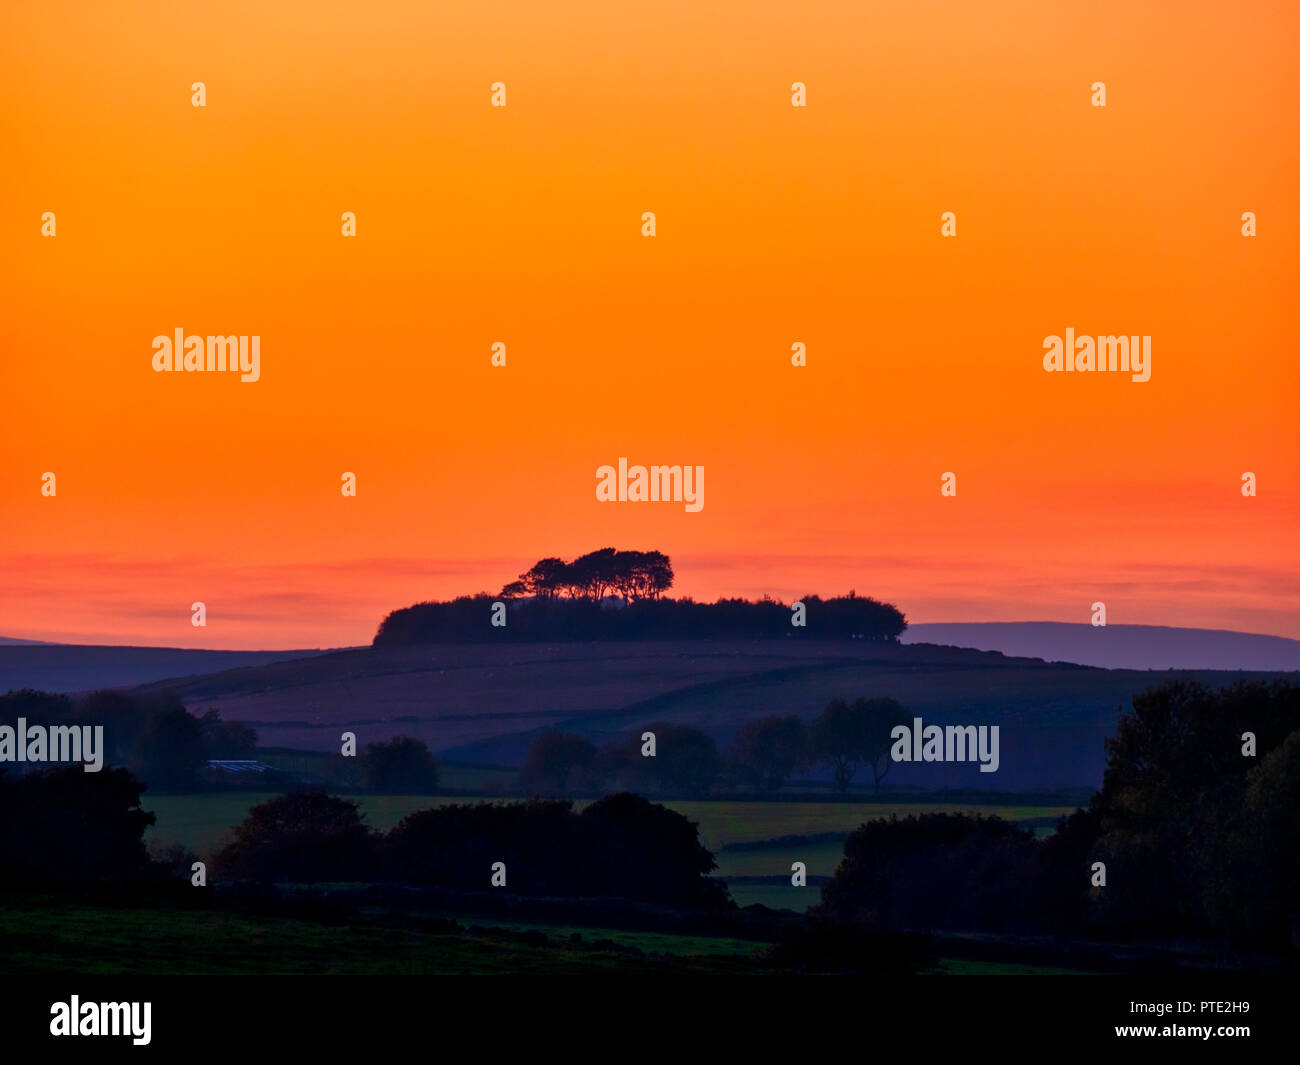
43, 936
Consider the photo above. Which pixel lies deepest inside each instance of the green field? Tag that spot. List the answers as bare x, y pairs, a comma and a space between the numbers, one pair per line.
47, 935
44, 935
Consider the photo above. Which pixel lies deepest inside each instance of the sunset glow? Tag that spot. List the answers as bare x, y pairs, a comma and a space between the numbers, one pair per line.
522, 224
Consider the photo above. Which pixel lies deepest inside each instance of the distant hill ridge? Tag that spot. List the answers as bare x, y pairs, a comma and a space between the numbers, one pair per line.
61, 667
484, 703
77, 667
1117, 646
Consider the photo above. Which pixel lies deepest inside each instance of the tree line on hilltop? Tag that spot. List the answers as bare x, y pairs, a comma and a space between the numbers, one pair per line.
627, 575
612, 594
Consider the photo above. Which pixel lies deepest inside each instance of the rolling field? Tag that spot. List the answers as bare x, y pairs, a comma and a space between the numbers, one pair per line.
483, 704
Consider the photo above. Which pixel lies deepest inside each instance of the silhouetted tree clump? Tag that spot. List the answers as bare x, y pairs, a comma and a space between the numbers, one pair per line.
768, 749
555, 759
153, 735
685, 761
1189, 823
227, 740
622, 846
848, 735
403, 765
1196, 825
63, 826
936, 871
302, 837
619, 595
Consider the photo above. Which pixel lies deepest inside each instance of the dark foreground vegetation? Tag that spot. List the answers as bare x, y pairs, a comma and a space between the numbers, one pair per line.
1188, 837
1190, 845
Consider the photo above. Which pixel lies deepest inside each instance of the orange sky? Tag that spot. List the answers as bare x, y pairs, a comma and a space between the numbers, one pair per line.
775, 224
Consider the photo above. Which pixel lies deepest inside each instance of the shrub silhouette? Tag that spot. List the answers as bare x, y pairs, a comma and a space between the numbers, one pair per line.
622, 846
553, 759
768, 749
63, 825
303, 837
402, 766
936, 871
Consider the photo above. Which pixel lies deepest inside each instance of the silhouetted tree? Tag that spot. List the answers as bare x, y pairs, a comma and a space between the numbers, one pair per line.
1171, 805
122, 716
1060, 876
553, 758
455, 846
63, 825
546, 577
650, 852
301, 837
621, 846
169, 750
593, 575
879, 717
227, 740
846, 735
641, 575
39, 708
937, 871
769, 748
837, 737
685, 760
1263, 891
402, 766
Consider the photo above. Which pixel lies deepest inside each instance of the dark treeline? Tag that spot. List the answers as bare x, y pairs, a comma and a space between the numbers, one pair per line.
618, 595
156, 737
1194, 835
469, 620
168, 748
1195, 832
671, 758
621, 846
620, 862
63, 827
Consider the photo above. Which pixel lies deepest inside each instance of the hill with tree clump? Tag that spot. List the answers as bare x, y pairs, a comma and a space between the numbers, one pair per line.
619, 595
